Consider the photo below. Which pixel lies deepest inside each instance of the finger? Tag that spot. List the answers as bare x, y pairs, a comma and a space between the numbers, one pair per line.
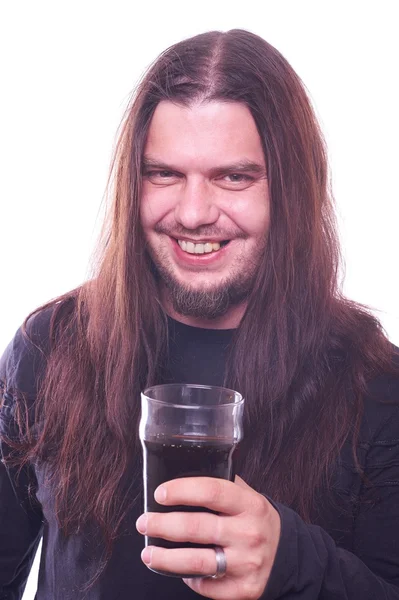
188, 562
241, 483
226, 588
196, 527
216, 494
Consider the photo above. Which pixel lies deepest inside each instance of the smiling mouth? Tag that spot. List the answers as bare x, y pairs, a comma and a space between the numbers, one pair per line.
201, 247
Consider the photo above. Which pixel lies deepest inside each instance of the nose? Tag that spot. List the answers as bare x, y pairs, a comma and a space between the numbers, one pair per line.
196, 205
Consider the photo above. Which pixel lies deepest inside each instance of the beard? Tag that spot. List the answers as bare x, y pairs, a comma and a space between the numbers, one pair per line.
208, 302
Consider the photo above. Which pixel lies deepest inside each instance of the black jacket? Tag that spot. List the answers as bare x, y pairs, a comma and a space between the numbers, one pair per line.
351, 552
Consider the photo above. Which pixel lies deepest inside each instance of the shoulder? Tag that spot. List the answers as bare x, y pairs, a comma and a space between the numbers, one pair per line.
381, 406
21, 368
24, 360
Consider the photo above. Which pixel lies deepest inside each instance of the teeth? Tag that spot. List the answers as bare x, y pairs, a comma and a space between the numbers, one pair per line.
192, 248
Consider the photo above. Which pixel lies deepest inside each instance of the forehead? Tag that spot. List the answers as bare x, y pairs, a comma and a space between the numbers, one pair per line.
203, 133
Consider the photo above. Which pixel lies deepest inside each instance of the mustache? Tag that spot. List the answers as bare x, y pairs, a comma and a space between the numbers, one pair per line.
207, 231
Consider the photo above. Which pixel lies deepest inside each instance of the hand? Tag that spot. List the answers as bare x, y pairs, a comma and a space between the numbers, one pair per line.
247, 528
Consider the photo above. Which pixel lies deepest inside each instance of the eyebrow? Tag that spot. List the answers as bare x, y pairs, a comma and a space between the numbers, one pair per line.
240, 166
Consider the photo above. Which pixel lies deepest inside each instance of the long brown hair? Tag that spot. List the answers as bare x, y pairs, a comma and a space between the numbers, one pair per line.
302, 354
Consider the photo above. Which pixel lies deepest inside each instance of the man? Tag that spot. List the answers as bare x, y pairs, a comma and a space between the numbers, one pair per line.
218, 266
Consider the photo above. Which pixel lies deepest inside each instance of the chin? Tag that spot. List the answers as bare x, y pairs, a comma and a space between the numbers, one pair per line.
203, 285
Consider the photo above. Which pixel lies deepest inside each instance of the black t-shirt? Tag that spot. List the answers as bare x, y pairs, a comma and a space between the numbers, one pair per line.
197, 355
349, 553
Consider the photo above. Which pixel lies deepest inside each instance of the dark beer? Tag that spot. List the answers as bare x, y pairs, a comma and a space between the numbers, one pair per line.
174, 457
187, 430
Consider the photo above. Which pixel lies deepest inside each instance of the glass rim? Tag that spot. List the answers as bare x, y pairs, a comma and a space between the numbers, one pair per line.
238, 402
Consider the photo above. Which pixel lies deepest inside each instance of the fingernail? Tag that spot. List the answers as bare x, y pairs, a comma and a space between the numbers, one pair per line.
141, 524
146, 555
160, 494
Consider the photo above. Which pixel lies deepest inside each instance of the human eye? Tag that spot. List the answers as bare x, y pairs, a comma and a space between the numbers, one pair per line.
235, 181
237, 177
159, 175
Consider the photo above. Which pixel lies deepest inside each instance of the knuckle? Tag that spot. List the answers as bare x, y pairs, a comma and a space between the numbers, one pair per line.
255, 561
250, 590
218, 530
254, 536
198, 563
193, 527
260, 504
257, 537
152, 522
216, 491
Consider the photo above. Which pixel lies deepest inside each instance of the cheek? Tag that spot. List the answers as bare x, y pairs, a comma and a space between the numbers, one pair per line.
155, 206
146, 213
150, 211
252, 215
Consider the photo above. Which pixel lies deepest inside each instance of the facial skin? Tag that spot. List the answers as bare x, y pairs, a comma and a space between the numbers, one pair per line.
204, 180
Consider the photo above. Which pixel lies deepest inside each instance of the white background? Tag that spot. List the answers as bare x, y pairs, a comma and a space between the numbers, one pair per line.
67, 71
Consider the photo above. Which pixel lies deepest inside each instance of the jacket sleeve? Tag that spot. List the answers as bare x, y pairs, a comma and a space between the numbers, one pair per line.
21, 519
310, 566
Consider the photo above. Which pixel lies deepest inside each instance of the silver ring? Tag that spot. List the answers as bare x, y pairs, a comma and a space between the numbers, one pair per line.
221, 563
